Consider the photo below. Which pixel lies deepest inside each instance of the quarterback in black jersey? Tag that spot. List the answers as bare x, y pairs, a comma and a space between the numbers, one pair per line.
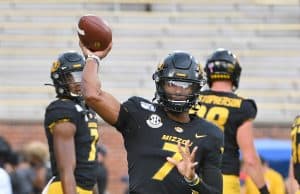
71, 129
168, 152
295, 135
233, 115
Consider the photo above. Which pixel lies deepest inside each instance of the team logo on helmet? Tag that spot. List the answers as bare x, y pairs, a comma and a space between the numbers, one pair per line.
55, 66
154, 121
160, 66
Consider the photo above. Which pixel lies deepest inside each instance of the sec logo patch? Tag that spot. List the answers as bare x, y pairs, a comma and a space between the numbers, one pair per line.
154, 121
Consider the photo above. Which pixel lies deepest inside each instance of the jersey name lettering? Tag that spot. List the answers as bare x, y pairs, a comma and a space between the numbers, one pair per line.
171, 138
221, 100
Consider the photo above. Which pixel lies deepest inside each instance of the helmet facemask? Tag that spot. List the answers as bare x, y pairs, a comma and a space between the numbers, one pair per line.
175, 101
72, 83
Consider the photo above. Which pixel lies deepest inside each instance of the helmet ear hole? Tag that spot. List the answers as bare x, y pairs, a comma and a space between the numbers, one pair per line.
55, 76
60, 90
155, 77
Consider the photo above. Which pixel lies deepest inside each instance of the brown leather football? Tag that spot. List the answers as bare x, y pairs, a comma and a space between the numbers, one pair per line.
94, 32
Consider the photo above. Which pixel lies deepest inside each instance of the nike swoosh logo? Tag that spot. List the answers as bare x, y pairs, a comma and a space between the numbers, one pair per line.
199, 136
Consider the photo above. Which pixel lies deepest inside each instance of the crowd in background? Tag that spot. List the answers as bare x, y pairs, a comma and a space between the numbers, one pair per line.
28, 171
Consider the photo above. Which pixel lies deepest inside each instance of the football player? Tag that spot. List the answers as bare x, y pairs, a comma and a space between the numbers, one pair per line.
295, 160
233, 115
168, 151
71, 129
272, 177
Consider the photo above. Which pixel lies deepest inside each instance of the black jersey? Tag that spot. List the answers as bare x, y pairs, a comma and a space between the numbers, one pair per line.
85, 138
150, 137
295, 135
228, 111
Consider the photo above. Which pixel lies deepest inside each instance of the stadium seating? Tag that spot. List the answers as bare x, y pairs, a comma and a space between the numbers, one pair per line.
265, 34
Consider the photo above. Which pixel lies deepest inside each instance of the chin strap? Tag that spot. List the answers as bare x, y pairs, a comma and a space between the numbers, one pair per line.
47, 84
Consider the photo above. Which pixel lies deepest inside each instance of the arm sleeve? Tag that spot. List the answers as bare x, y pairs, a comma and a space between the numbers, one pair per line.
248, 111
211, 182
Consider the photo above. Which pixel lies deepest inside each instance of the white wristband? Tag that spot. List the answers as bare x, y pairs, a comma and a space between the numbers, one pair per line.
194, 181
95, 57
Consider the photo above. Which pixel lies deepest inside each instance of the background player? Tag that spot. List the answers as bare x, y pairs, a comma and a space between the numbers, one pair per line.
154, 132
71, 130
233, 115
295, 160
273, 179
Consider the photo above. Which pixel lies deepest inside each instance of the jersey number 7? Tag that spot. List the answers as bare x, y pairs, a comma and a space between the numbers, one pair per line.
167, 166
94, 134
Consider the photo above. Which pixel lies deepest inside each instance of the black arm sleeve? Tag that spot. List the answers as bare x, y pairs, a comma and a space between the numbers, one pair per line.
212, 182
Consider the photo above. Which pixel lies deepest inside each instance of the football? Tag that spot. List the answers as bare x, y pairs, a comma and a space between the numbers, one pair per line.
94, 32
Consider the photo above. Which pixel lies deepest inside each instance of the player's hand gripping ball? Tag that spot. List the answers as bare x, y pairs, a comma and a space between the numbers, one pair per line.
94, 32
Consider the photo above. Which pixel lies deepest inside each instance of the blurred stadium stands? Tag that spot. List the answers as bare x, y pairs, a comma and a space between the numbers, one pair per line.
265, 34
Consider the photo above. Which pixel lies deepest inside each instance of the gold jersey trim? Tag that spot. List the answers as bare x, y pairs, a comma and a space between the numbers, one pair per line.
55, 122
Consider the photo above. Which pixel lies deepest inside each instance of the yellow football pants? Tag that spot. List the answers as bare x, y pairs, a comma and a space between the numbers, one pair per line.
56, 188
231, 184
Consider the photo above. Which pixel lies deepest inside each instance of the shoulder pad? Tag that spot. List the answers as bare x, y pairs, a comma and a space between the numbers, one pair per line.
65, 104
252, 102
143, 103
147, 106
